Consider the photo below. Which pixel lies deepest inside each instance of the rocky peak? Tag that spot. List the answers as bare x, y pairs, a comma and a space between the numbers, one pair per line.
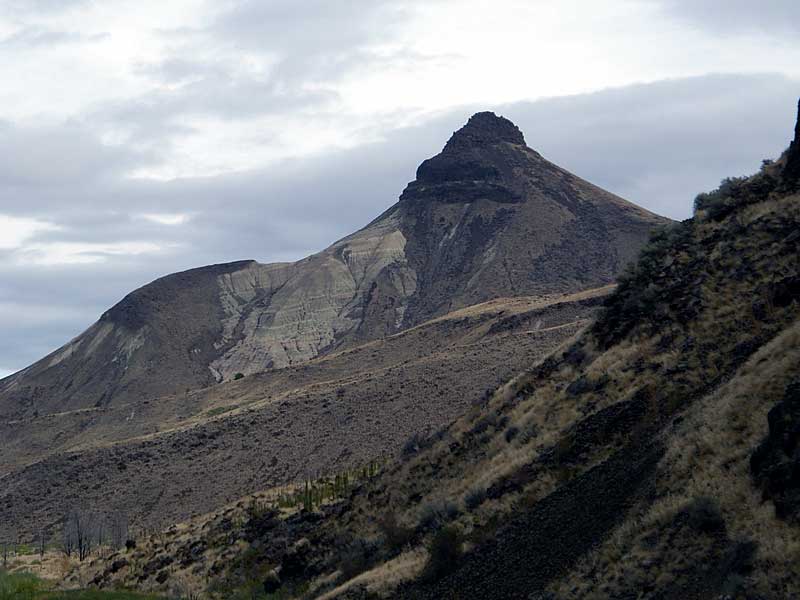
473, 164
484, 129
791, 172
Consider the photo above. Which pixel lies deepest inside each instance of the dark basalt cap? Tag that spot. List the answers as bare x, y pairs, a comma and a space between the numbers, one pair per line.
470, 166
484, 129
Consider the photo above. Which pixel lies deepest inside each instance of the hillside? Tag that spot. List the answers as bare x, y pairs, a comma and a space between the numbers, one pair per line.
653, 456
486, 218
249, 376
161, 460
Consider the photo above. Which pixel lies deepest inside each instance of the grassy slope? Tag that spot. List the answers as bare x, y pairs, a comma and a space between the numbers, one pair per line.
618, 467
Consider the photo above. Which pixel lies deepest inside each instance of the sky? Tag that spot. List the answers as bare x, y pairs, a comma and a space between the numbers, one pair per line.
138, 138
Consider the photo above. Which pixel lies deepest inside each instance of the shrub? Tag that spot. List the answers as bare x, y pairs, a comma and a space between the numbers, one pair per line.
444, 552
734, 192
489, 420
412, 445
437, 514
474, 498
238, 376
528, 434
704, 516
396, 535
356, 559
511, 433
641, 296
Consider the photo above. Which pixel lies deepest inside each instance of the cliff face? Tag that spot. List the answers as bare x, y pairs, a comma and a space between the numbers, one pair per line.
791, 172
488, 217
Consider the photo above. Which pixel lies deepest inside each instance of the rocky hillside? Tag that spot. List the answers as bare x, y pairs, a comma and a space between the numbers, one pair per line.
488, 217
655, 456
161, 460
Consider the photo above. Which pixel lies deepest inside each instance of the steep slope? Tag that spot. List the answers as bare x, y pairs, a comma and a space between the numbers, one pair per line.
486, 218
655, 456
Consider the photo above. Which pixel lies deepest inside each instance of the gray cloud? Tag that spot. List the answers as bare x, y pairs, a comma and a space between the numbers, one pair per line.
657, 145
737, 16
60, 154
213, 89
320, 28
22, 7
33, 37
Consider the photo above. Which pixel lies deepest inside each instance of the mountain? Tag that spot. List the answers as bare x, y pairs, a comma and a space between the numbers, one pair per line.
655, 455
486, 218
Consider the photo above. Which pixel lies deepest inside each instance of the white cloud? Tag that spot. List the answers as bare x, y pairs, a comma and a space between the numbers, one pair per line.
210, 87
166, 219
82, 253
15, 231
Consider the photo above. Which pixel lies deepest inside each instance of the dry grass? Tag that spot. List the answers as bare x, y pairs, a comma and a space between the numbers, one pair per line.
384, 578
708, 456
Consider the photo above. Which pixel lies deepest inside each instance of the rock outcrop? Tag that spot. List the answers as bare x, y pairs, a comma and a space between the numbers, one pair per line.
791, 172
775, 464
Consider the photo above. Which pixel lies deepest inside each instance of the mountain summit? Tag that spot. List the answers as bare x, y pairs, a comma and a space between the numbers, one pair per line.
472, 165
485, 128
487, 217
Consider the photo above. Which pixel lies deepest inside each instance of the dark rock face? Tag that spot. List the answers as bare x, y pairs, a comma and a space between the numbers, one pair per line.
775, 464
791, 172
470, 167
489, 213
461, 191
484, 129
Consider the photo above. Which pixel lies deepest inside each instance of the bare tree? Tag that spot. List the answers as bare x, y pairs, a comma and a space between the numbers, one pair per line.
42, 543
5, 554
68, 538
118, 526
78, 533
83, 526
100, 531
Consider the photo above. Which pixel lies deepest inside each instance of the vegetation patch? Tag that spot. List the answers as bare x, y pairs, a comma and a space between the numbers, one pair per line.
26, 586
220, 410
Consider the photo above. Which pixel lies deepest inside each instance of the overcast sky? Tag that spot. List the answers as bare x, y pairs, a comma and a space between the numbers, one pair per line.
141, 137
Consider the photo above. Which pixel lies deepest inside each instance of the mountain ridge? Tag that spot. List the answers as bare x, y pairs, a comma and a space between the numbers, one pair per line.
487, 217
